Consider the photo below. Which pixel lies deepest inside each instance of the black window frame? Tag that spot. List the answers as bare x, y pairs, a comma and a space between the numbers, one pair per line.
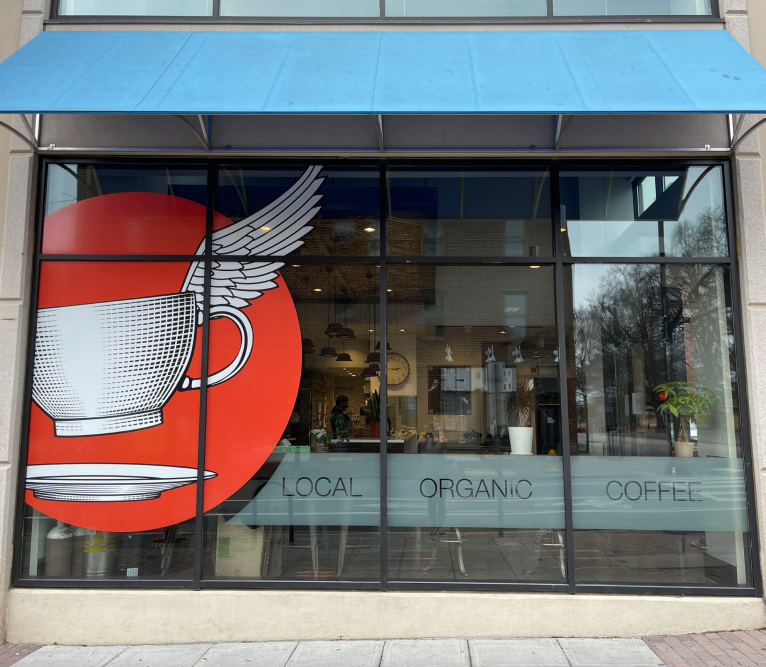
558, 261
216, 18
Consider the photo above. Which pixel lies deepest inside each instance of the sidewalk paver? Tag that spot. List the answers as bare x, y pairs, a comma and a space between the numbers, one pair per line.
426, 653
177, 655
609, 652
721, 649
250, 654
69, 656
10, 654
516, 653
336, 654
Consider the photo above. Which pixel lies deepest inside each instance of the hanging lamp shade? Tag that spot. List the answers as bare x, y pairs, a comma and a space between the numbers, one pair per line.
347, 332
375, 368
343, 356
373, 358
307, 342
334, 329
328, 351
388, 347
368, 373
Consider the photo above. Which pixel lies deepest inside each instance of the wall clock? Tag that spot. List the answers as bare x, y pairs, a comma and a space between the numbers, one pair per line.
397, 369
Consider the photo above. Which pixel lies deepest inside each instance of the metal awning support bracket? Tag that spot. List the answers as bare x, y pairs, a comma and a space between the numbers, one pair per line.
749, 131
32, 143
379, 129
202, 136
561, 129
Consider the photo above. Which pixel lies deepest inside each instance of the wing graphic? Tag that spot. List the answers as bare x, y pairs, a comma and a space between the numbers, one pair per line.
277, 229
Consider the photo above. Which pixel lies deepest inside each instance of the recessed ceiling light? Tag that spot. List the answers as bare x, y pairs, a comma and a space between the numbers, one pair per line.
370, 330
402, 330
369, 229
317, 289
266, 229
389, 290
535, 267
563, 229
296, 266
502, 331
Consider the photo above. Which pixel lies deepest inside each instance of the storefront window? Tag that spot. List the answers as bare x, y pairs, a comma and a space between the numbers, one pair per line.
343, 206
624, 212
339, 8
295, 433
657, 468
469, 212
462, 8
631, 7
274, 388
475, 485
136, 7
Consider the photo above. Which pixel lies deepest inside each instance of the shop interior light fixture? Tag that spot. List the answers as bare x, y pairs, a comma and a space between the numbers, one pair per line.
369, 229
519, 359
328, 350
535, 266
343, 356
266, 229
502, 331
317, 289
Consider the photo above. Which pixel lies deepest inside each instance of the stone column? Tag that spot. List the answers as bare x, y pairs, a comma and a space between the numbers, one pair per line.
22, 20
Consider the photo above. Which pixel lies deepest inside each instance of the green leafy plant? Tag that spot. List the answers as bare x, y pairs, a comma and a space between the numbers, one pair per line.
375, 407
687, 401
341, 425
522, 401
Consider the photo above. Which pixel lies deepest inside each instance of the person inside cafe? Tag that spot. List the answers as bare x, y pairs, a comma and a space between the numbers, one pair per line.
340, 422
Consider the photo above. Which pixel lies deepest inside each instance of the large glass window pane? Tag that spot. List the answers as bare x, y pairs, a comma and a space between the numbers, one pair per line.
339, 8
136, 7
337, 209
657, 468
631, 7
474, 468
291, 434
446, 8
112, 458
112, 209
624, 212
446, 211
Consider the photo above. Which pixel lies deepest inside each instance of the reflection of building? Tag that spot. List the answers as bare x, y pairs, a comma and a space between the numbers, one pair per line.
532, 270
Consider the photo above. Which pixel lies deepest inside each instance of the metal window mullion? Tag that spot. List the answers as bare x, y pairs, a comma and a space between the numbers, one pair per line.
563, 390
18, 541
744, 406
383, 310
199, 521
216, 9
549, 9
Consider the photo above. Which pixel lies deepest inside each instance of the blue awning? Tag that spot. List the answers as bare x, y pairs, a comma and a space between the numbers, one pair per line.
444, 72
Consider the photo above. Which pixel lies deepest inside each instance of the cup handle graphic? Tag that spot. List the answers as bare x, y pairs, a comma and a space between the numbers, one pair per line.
245, 348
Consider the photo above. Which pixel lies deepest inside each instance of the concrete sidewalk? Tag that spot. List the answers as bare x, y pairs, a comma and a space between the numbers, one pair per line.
729, 649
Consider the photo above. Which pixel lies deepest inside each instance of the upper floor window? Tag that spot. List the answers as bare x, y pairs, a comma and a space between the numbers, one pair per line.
393, 9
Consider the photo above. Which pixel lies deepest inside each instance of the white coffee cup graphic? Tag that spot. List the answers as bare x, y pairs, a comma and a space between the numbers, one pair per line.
110, 367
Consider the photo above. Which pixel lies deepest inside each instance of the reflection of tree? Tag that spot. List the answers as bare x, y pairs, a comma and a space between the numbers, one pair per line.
703, 237
652, 324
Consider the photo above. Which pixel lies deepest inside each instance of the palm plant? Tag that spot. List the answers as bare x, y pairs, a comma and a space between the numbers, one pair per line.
522, 401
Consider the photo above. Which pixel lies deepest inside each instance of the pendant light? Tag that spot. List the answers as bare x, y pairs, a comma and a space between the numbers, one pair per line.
336, 328
328, 350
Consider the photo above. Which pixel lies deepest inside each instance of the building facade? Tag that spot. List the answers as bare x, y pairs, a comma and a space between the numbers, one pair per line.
324, 372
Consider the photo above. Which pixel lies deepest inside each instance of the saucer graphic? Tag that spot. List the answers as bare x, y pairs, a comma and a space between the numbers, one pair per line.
107, 482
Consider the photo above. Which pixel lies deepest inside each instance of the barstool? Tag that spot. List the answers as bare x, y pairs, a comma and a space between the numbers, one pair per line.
439, 537
558, 544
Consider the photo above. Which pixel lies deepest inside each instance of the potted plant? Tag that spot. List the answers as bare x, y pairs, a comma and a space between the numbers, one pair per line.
522, 403
375, 414
688, 402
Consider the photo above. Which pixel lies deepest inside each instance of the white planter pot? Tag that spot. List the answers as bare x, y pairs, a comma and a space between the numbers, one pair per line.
684, 449
521, 439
